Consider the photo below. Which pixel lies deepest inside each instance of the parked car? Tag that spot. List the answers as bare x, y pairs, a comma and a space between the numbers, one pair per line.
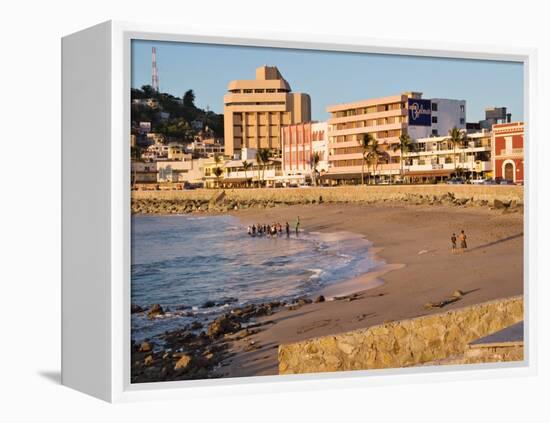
456, 181
506, 182
479, 181
490, 182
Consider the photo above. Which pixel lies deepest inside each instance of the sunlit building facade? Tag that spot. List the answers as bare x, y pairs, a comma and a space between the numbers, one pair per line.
385, 119
255, 110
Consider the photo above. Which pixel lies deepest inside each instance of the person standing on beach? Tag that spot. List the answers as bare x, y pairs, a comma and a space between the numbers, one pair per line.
453, 243
287, 227
462, 238
297, 225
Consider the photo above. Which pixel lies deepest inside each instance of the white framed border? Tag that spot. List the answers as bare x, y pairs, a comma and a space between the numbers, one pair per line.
118, 290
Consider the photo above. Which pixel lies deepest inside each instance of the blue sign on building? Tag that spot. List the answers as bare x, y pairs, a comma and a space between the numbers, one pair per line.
420, 112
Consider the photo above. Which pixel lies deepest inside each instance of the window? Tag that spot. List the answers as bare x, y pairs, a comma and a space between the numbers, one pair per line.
462, 121
247, 91
434, 132
434, 107
462, 108
434, 119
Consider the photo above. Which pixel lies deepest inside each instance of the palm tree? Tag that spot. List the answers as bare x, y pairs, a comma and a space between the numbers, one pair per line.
457, 138
262, 157
365, 143
259, 166
369, 162
314, 163
404, 147
375, 153
246, 166
217, 173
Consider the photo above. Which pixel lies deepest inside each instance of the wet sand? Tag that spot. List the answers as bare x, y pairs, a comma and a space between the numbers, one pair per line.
414, 241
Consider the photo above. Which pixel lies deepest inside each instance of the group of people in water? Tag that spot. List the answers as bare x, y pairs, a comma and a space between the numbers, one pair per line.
273, 230
462, 239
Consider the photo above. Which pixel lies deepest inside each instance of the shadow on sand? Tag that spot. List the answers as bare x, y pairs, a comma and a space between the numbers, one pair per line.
498, 241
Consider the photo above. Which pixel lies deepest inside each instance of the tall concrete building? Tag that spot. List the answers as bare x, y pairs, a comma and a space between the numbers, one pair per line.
255, 110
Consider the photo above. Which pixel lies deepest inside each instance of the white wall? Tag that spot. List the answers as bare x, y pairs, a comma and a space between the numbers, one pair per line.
416, 132
449, 115
321, 147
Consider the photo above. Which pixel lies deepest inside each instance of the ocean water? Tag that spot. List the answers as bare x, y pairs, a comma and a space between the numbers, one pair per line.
181, 262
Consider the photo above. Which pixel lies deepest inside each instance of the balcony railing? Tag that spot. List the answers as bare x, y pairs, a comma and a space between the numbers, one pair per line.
511, 151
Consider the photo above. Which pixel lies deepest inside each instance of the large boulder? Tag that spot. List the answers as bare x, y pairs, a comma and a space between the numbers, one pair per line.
155, 310
304, 301
498, 204
222, 325
145, 347
134, 308
183, 362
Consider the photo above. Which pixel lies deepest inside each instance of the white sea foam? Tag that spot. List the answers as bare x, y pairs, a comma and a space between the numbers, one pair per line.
316, 273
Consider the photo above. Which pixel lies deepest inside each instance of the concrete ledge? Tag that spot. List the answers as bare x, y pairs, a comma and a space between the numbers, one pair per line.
403, 343
512, 335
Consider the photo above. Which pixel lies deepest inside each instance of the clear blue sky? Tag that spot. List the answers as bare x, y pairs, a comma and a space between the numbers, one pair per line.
330, 77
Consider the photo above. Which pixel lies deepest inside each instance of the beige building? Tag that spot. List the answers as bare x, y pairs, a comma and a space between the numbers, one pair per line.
143, 172
255, 110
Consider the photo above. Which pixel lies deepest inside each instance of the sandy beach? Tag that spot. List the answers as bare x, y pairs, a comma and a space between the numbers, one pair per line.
414, 242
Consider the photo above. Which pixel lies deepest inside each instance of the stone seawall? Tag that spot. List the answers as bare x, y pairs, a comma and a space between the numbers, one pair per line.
201, 200
402, 343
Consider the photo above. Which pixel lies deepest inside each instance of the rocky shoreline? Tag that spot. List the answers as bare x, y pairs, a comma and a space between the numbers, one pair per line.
220, 203
194, 352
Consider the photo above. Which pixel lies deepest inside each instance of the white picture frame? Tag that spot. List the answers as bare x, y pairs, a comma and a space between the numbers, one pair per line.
96, 226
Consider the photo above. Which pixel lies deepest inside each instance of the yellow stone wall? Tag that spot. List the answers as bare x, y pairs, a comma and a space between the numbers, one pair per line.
402, 343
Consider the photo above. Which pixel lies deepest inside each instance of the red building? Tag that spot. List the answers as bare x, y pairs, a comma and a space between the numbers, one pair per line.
296, 147
507, 145
299, 143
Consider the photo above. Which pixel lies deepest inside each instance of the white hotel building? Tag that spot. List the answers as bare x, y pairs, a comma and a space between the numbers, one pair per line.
434, 158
